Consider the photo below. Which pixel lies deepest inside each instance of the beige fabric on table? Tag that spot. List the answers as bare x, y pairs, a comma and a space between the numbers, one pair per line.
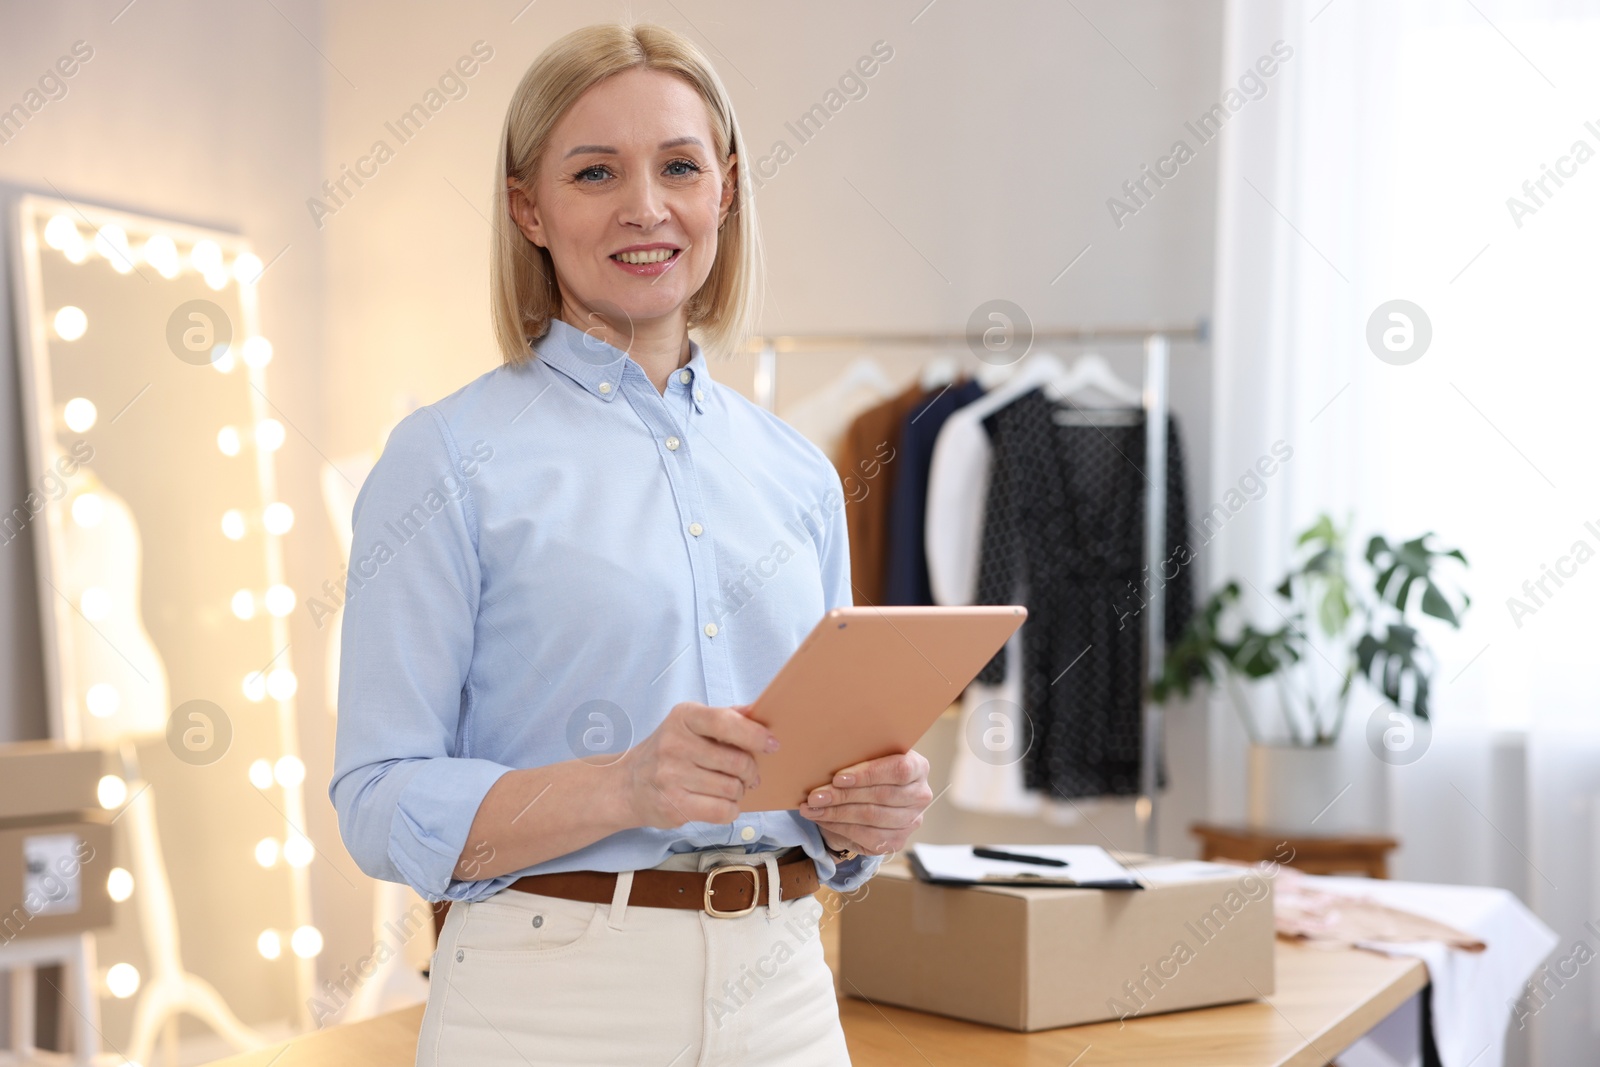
528, 980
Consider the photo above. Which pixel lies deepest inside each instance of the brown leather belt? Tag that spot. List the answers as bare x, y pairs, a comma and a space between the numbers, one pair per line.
726, 891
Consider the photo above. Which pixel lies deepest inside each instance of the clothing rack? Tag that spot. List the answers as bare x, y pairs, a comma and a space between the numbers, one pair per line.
1157, 350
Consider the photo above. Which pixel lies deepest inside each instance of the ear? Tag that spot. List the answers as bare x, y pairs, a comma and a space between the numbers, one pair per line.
524, 214
730, 188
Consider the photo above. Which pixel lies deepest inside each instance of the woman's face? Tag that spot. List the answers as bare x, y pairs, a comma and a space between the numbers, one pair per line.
630, 173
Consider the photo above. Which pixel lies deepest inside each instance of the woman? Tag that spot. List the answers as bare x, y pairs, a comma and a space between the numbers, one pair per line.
568, 580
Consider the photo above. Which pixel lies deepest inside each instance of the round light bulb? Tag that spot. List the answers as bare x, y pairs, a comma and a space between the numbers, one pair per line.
289, 771
206, 256
282, 683
261, 774
269, 944
233, 524
119, 884
222, 358
255, 687
61, 232
278, 518
306, 941
111, 241
269, 435
122, 980
112, 791
103, 700
267, 851
228, 441
280, 600
70, 322
162, 254
247, 268
257, 351
244, 604
79, 414
298, 852
88, 509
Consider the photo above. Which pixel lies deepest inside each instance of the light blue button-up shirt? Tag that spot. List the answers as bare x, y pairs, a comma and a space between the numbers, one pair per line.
544, 563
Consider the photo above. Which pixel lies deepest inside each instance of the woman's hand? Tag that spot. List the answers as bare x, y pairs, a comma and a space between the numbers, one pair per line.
695, 767
872, 807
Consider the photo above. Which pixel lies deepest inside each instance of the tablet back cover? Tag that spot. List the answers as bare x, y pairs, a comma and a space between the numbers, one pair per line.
868, 682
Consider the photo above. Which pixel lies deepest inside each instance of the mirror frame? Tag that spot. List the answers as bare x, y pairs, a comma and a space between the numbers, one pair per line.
66, 703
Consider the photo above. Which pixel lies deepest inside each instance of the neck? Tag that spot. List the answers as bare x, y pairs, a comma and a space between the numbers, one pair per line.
659, 346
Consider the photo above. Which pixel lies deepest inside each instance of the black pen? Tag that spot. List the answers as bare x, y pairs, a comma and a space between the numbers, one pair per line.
1015, 857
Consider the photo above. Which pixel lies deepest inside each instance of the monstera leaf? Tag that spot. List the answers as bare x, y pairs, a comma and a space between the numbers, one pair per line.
1389, 660
1404, 569
1322, 576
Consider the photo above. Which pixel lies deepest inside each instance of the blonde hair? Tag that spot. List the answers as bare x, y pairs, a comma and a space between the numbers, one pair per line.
522, 280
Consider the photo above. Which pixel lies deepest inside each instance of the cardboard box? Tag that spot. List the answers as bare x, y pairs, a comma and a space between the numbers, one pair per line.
47, 778
1027, 958
53, 871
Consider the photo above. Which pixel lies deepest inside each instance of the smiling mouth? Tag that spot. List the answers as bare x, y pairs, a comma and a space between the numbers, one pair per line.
654, 255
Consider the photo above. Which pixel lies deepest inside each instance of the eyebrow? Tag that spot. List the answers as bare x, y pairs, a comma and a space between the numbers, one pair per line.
602, 149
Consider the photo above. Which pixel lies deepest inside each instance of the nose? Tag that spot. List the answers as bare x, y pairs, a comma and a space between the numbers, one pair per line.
643, 205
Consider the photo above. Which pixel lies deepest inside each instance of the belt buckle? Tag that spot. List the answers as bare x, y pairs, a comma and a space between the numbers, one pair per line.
755, 895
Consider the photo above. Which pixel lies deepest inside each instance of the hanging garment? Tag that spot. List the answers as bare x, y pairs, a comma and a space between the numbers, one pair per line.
907, 559
869, 461
958, 479
823, 416
1064, 522
990, 781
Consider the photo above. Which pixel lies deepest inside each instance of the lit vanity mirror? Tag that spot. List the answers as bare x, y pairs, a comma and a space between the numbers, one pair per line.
158, 531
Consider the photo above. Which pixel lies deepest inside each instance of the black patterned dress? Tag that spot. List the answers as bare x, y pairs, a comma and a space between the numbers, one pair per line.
1063, 533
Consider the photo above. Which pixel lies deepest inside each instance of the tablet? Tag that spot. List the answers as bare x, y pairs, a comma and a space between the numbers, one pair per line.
867, 682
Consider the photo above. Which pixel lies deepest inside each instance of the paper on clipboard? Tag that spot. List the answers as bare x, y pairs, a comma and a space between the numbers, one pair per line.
1087, 867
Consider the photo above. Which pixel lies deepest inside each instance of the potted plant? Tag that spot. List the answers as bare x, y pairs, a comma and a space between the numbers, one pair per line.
1337, 640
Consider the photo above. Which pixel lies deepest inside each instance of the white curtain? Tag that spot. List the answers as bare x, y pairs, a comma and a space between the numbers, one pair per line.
1381, 164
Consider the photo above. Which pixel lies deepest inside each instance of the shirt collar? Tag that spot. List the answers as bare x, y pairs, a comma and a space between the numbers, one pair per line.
601, 368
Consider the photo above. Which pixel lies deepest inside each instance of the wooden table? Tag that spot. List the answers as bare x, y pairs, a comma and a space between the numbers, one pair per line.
1325, 1000
1366, 854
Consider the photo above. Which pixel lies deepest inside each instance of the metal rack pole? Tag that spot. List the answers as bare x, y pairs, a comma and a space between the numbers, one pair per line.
1155, 525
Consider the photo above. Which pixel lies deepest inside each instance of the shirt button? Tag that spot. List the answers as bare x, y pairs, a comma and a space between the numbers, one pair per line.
672, 444
748, 832
711, 629
696, 529
605, 387
684, 376
698, 395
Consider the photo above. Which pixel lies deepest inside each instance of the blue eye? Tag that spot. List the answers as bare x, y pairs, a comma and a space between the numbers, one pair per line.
693, 167
588, 170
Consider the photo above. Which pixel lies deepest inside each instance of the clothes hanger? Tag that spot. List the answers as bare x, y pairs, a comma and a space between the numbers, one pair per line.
864, 373
1031, 373
938, 372
1092, 373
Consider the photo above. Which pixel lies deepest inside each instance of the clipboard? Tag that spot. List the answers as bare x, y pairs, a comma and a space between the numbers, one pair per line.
867, 682
1078, 867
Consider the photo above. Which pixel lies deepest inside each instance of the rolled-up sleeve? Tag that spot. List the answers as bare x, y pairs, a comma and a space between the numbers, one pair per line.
834, 553
405, 799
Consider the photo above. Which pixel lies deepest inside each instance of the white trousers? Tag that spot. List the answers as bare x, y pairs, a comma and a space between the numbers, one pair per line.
530, 980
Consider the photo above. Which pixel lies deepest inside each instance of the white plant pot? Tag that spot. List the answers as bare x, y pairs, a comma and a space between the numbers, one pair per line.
1330, 789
